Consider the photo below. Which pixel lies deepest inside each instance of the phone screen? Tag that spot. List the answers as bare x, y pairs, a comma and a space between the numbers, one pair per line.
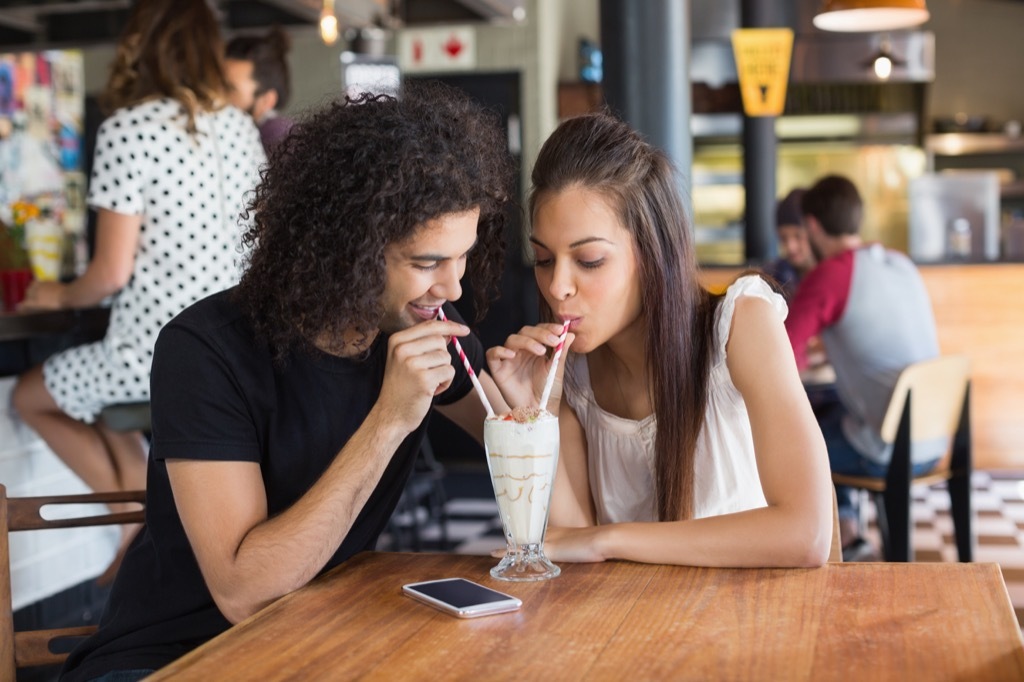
459, 592
461, 597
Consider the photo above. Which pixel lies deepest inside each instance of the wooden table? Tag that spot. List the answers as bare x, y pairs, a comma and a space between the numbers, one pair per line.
619, 621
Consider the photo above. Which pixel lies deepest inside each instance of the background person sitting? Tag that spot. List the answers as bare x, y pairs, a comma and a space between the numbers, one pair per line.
796, 258
872, 311
168, 198
257, 71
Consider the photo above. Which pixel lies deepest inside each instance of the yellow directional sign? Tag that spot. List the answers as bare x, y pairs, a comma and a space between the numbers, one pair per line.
762, 62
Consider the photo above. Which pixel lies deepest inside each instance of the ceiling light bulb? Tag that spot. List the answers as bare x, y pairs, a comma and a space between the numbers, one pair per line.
328, 23
883, 67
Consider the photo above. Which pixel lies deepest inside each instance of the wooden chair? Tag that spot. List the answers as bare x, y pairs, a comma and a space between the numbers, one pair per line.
425, 488
32, 648
835, 554
931, 400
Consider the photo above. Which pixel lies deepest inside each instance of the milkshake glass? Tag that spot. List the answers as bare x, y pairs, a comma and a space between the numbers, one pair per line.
522, 456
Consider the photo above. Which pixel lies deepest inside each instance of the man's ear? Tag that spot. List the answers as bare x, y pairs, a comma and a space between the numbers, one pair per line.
264, 103
812, 224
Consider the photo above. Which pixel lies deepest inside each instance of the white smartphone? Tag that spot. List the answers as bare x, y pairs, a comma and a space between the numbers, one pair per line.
461, 597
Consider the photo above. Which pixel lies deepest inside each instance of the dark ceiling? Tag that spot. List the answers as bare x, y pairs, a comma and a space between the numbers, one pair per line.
38, 24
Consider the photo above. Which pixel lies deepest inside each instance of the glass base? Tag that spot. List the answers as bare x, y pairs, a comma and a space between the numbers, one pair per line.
525, 563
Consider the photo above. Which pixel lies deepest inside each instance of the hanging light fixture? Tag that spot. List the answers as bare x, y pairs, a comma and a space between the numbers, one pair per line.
328, 23
884, 60
852, 16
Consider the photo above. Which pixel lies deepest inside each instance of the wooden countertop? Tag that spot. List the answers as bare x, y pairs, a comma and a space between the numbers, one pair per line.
28, 325
620, 620
27, 339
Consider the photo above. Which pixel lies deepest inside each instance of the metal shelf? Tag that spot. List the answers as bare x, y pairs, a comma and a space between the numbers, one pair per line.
963, 144
1012, 190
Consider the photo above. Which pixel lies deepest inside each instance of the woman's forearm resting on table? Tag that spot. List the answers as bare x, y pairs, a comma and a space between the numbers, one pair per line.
92, 287
766, 537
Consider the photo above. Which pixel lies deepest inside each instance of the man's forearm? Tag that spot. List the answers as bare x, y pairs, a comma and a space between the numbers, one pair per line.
285, 552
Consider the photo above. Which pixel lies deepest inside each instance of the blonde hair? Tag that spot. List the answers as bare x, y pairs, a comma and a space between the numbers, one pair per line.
168, 48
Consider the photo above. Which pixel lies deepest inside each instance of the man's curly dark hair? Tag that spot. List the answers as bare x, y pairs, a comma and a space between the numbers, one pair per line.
352, 178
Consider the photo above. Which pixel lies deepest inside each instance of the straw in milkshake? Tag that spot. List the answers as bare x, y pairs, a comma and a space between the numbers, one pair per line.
550, 382
469, 368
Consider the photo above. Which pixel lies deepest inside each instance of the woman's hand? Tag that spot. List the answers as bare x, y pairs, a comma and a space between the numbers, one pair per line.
575, 545
520, 367
43, 296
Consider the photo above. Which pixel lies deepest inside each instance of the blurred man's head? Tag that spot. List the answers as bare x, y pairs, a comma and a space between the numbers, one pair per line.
832, 213
794, 245
257, 72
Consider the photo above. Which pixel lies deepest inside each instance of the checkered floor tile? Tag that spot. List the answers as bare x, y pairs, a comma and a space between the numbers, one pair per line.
471, 525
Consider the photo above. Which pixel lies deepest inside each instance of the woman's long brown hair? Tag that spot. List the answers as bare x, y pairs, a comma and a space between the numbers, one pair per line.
602, 154
168, 48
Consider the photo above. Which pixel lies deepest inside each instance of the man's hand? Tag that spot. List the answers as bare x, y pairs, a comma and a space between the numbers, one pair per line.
418, 368
520, 367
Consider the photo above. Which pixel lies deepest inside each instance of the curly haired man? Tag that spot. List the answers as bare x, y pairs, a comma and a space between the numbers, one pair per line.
288, 411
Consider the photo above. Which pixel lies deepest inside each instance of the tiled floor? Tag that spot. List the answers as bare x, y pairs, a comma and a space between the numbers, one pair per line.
997, 498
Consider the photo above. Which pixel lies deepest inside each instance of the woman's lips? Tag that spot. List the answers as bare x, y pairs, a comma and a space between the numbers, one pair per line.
574, 322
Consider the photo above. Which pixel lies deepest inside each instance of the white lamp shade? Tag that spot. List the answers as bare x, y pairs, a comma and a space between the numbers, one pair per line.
854, 16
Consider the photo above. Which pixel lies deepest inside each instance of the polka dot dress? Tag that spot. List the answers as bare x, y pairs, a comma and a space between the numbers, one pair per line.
190, 190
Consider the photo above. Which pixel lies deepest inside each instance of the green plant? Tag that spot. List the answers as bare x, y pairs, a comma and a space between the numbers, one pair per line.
13, 255
13, 252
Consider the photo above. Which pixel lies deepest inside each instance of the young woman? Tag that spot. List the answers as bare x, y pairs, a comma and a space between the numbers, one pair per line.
171, 168
687, 437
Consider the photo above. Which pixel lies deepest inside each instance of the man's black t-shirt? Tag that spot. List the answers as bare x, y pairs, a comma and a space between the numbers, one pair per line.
217, 395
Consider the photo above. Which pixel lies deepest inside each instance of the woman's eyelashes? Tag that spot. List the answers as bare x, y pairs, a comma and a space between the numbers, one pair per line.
544, 262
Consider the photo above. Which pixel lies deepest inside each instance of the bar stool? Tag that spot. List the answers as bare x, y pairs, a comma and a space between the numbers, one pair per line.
128, 417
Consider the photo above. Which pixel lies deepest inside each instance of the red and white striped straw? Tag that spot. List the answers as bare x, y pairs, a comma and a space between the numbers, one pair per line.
469, 369
554, 367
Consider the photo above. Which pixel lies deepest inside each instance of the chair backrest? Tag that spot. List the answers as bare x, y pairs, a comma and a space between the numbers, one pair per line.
939, 388
31, 648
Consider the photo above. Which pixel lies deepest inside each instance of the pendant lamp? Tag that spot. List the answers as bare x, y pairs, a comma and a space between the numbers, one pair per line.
852, 16
328, 23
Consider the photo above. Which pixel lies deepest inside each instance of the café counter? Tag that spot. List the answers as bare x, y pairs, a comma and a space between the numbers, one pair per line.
26, 339
979, 312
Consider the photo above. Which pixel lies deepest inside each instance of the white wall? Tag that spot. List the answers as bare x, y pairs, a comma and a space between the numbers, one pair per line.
579, 19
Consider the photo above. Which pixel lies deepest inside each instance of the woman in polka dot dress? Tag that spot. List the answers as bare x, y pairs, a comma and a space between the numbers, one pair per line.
172, 168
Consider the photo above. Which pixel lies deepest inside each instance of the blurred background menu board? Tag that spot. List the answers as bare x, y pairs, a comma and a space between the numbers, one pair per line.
41, 126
